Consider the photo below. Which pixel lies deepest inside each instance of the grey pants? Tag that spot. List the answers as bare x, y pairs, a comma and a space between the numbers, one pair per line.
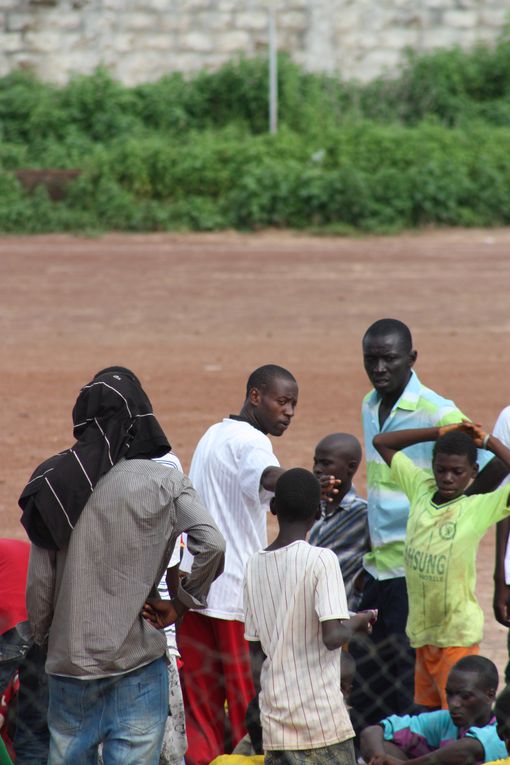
336, 754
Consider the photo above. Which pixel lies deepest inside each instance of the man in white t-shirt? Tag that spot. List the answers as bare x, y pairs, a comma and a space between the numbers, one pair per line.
234, 470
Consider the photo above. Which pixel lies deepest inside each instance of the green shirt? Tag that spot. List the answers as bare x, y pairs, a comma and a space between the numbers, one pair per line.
440, 557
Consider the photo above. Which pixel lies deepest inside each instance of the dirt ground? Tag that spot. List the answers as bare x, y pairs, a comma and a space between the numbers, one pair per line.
194, 314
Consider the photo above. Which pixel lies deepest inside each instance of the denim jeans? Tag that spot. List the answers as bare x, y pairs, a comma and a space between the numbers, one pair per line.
127, 713
32, 738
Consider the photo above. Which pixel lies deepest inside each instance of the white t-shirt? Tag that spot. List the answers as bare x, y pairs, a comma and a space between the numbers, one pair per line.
226, 470
172, 461
287, 594
502, 431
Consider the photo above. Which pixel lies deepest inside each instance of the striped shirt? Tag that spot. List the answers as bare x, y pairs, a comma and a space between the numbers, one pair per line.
345, 531
287, 594
226, 470
388, 507
87, 598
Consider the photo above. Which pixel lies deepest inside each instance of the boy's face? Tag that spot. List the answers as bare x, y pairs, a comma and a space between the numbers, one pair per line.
274, 406
387, 362
469, 703
329, 460
453, 474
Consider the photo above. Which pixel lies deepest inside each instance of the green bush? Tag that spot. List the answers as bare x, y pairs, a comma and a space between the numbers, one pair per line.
430, 146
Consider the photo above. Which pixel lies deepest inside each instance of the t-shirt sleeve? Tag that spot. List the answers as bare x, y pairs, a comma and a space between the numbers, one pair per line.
250, 628
493, 746
412, 480
330, 599
488, 509
254, 459
417, 734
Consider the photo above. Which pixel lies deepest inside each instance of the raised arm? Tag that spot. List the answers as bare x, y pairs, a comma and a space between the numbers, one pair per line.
388, 444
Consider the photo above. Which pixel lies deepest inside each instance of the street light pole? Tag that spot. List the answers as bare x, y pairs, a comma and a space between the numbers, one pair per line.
273, 71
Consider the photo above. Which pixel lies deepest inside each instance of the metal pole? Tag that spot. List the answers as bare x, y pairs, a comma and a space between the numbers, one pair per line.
273, 73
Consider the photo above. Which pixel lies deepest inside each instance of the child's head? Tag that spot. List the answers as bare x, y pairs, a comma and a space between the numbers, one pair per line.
502, 712
470, 691
347, 672
338, 454
454, 463
297, 497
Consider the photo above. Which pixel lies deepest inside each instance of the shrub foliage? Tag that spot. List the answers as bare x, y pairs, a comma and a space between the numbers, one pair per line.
431, 146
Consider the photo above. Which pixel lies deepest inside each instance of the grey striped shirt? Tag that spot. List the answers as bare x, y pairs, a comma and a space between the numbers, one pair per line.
86, 599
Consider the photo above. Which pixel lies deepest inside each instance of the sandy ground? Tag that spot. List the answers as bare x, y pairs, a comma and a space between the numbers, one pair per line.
194, 314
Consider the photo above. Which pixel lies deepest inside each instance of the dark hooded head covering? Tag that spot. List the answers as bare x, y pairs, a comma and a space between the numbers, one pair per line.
112, 419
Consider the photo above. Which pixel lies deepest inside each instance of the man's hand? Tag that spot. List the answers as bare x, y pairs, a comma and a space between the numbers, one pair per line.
386, 759
501, 603
160, 613
330, 487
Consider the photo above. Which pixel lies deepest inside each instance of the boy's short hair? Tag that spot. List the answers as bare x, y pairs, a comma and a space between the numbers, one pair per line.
485, 668
297, 495
458, 443
502, 712
262, 377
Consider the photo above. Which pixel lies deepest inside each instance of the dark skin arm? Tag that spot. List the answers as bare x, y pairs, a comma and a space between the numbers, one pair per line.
336, 632
489, 477
388, 444
501, 602
329, 484
257, 657
467, 751
372, 744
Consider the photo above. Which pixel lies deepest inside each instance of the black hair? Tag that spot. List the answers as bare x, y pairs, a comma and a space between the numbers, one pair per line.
458, 443
482, 666
391, 327
297, 495
262, 377
502, 712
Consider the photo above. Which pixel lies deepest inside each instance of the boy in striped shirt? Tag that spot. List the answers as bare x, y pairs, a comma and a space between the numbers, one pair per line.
296, 620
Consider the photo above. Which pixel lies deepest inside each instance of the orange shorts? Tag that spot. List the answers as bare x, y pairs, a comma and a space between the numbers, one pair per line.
433, 665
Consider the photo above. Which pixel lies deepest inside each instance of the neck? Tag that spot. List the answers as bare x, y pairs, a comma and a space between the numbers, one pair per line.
332, 506
389, 400
248, 414
289, 533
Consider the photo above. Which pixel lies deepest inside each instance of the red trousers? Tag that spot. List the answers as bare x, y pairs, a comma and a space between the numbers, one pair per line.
216, 668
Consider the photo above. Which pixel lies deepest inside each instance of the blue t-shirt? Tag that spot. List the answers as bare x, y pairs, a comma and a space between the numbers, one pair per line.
418, 735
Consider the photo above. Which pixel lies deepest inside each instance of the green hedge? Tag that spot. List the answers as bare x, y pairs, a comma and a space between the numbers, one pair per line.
431, 146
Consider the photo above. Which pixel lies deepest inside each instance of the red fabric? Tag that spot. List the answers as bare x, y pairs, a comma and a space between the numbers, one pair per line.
14, 554
216, 669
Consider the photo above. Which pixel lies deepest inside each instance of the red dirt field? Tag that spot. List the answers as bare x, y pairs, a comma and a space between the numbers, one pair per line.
194, 314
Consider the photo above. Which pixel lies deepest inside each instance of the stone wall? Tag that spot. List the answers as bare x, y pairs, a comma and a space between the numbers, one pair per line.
140, 40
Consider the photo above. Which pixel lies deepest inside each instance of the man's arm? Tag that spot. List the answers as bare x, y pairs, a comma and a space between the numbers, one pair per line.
257, 657
40, 591
206, 544
501, 601
373, 745
467, 751
329, 484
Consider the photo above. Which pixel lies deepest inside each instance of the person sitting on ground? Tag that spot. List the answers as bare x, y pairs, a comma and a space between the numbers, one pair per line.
444, 530
502, 714
343, 525
464, 734
296, 620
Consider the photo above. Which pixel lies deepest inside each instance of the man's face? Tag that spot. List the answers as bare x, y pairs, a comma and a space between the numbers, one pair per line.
275, 405
453, 474
469, 703
388, 362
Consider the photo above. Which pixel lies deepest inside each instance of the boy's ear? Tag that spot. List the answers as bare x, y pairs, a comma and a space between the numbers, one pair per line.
272, 505
352, 466
475, 471
254, 397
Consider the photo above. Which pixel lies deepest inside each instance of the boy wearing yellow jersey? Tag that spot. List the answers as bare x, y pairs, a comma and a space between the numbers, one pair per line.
444, 530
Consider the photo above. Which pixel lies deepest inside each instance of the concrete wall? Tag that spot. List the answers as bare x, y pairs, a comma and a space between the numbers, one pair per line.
140, 40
